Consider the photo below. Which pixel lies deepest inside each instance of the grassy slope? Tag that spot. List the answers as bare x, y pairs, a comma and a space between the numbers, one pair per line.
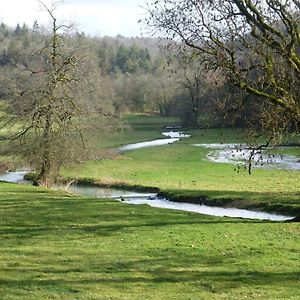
181, 169
56, 246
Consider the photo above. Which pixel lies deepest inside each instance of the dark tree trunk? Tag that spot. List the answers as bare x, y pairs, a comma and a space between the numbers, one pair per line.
44, 175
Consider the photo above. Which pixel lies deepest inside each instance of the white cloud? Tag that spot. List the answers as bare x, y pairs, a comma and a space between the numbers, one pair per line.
105, 17
13, 12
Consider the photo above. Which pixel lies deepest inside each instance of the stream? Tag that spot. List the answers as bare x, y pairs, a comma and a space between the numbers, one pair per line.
226, 153
219, 153
172, 136
14, 177
152, 199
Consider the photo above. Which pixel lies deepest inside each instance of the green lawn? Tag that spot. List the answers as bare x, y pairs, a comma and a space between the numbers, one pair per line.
181, 169
58, 246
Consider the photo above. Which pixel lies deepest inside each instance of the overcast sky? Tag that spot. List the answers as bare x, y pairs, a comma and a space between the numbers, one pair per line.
95, 17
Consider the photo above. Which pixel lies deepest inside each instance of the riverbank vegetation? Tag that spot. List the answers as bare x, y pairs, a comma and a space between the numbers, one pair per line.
55, 245
183, 171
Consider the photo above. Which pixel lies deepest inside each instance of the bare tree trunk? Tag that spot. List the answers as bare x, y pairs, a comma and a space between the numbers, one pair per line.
45, 170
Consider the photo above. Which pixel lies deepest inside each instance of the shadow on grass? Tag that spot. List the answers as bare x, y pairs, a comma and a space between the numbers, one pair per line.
90, 216
210, 281
57, 222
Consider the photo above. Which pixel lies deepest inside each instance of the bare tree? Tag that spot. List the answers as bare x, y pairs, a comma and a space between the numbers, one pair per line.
46, 102
162, 91
255, 43
191, 78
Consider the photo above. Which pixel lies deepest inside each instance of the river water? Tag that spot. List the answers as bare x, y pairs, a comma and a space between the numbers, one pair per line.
239, 154
153, 200
153, 143
219, 153
226, 153
14, 177
173, 136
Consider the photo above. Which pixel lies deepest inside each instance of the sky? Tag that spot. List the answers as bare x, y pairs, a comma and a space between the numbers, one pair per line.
94, 17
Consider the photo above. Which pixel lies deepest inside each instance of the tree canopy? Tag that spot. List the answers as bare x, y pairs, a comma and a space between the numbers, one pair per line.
256, 45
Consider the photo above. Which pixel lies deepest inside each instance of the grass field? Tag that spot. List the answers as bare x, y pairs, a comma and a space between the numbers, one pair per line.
181, 169
55, 245
58, 246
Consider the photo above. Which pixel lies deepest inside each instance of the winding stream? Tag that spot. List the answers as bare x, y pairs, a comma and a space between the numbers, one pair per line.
229, 153
226, 153
153, 200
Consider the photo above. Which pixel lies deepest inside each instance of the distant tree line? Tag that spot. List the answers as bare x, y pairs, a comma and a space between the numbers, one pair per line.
135, 74
178, 77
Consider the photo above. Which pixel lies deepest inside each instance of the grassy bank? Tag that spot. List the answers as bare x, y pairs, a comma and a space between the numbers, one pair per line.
57, 246
182, 170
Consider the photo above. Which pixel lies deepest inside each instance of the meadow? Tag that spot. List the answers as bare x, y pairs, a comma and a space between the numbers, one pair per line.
55, 245
181, 170
59, 246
